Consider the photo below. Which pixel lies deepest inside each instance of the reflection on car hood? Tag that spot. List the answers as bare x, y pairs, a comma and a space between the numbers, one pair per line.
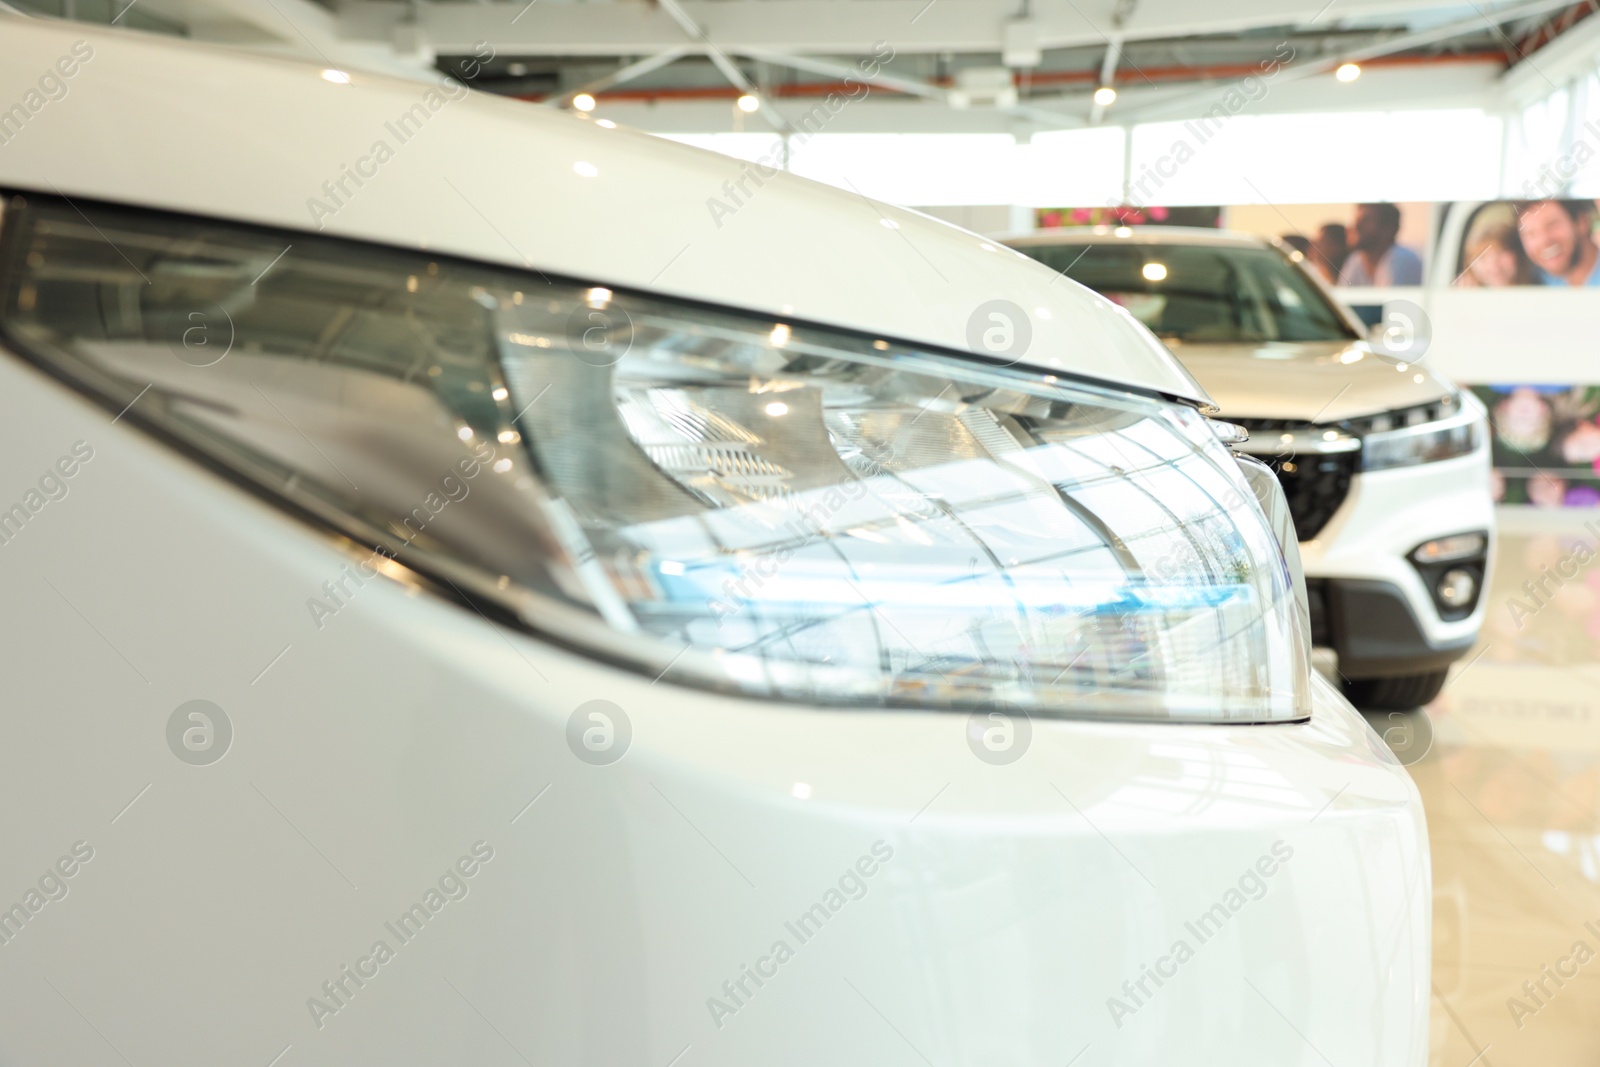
1319, 381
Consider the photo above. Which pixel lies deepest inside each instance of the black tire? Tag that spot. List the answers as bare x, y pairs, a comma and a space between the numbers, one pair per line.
1402, 693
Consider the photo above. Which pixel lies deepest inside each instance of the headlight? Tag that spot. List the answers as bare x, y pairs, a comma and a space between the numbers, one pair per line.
739, 503
1443, 431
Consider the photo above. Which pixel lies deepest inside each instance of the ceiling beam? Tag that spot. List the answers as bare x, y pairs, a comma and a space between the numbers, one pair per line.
1108, 74
1303, 69
624, 74
769, 114
1423, 86
1030, 112
840, 71
830, 27
1574, 52
1108, 66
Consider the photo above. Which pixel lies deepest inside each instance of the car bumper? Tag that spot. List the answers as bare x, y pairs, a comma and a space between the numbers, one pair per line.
1374, 629
626, 904
1370, 604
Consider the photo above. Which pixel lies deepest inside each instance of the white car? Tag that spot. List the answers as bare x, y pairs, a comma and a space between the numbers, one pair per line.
452, 622
1384, 461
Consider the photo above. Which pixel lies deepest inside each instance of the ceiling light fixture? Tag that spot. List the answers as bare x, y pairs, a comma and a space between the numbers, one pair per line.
749, 103
1348, 72
1105, 96
583, 102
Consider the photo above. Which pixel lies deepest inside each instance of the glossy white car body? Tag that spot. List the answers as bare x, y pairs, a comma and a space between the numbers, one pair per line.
602, 914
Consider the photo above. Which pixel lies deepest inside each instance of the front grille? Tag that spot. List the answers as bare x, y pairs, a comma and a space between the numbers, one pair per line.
1315, 484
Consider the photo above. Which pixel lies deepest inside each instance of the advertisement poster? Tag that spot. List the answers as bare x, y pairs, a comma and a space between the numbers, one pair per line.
1546, 443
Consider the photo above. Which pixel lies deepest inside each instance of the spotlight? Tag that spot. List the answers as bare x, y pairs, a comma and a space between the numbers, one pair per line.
583, 102
749, 103
1458, 588
1105, 96
1347, 72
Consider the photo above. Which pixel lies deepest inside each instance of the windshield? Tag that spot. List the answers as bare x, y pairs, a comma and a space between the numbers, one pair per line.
1202, 294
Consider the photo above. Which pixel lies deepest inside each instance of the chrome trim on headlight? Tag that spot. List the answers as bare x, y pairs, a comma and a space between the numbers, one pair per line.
1307, 442
1270, 495
1229, 433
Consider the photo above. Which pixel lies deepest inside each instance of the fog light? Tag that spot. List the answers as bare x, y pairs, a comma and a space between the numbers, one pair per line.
1444, 549
1457, 588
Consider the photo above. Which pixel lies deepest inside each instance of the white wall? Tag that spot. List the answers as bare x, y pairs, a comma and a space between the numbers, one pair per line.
1251, 159
1052, 169
1327, 158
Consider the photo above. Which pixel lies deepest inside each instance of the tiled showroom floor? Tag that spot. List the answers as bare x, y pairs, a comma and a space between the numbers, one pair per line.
1512, 790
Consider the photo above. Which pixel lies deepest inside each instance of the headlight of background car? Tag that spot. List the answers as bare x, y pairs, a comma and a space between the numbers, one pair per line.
762, 507
1454, 427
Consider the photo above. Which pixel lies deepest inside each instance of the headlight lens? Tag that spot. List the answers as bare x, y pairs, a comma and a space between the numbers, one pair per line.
1455, 434
755, 506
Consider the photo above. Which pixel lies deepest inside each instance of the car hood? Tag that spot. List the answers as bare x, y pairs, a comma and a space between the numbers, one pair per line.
1312, 381
161, 123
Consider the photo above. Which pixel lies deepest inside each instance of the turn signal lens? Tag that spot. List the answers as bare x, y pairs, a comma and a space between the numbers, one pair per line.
1447, 549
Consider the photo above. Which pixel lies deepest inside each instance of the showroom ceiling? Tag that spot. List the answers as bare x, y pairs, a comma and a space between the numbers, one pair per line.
958, 65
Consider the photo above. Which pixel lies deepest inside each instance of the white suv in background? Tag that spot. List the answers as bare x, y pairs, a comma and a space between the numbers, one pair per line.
1385, 463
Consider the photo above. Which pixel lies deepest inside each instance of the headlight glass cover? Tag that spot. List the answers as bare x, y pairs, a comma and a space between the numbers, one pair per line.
731, 501
1455, 426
